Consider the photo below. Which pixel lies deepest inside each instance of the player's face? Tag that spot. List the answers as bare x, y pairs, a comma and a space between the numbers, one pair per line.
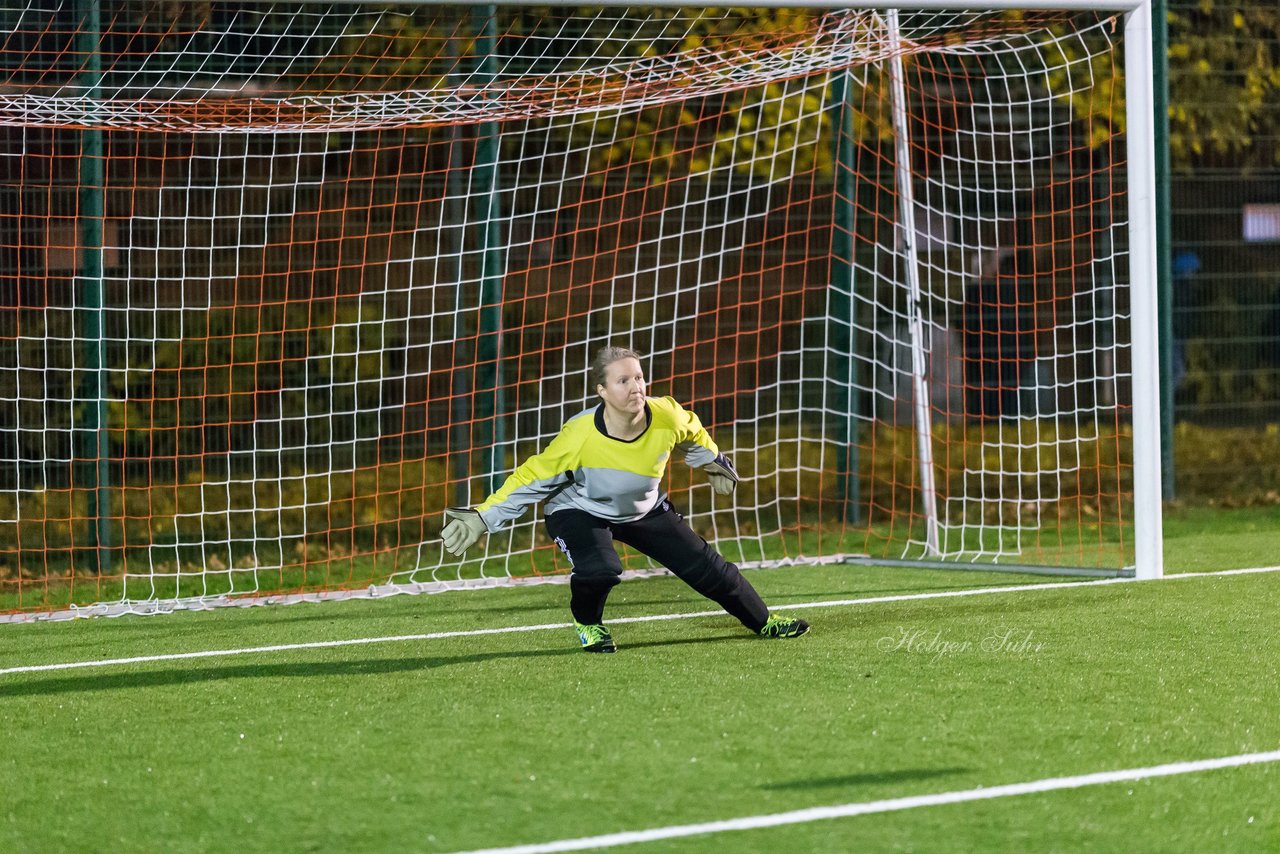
623, 389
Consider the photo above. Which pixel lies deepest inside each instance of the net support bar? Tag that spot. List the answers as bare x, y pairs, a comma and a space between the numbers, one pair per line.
1148, 544
911, 261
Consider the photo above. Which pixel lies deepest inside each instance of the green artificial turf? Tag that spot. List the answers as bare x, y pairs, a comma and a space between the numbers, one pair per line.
1204, 539
489, 740
1197, 538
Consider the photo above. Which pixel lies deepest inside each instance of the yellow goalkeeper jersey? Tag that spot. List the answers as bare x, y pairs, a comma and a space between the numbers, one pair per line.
586, 468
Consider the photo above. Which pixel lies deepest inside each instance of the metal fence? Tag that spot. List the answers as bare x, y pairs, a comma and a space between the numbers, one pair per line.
1225, 247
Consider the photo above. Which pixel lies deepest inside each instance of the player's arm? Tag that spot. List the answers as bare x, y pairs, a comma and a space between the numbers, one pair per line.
538, 477
700, 451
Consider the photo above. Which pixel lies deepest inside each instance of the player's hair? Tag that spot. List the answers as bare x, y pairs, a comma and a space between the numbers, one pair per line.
599, 372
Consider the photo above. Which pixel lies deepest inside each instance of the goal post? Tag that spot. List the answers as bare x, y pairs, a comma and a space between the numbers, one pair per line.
279, 281
1145, 324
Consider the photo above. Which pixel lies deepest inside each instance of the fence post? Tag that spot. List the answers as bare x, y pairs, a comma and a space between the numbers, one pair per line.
487, 205
841, 306
1164, 248
90, 209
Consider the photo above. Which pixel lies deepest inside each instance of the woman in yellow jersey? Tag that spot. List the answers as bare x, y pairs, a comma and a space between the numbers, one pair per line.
600, 479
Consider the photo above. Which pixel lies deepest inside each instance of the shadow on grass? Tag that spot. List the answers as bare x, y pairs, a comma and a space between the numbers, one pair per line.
340, 610
87, 683
870, 779
738, 636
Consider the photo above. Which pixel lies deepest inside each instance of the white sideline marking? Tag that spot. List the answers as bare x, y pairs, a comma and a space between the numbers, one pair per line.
891, 805
1249, 571
285, 647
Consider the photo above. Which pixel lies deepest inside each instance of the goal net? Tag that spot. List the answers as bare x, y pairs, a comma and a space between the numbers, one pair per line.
279, 282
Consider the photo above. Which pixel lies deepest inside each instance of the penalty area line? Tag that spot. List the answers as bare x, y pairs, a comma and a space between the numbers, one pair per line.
502, 630
812, 814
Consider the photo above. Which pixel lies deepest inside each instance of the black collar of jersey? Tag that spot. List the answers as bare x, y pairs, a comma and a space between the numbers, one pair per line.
648, 419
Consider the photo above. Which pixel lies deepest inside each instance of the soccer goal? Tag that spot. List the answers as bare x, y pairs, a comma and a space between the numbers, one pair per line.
280, 281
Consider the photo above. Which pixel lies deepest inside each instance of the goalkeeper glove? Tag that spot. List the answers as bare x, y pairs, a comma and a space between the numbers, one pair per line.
463, 527
721, 475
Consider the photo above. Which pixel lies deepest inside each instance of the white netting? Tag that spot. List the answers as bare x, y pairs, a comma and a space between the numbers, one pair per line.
184, 89
355, 261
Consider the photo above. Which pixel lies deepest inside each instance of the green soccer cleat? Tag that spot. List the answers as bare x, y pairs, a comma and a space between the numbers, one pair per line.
595, 638
783, 627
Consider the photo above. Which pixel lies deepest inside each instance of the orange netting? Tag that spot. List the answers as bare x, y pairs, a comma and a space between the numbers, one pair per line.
279, 284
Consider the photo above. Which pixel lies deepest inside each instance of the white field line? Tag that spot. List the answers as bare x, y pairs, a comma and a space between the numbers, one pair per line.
1250, 571
804, 816
836, 603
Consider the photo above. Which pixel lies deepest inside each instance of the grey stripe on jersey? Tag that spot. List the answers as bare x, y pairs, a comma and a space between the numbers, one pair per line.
500, 515
695, 455
618, 496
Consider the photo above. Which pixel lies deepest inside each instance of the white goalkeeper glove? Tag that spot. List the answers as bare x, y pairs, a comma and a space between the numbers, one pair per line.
463, 527
721, 475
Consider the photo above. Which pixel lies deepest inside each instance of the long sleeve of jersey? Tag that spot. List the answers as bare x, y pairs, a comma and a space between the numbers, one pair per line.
587, 469
692, 438
534, 480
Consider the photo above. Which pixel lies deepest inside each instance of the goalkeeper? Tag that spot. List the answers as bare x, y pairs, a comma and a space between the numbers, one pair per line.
600, 478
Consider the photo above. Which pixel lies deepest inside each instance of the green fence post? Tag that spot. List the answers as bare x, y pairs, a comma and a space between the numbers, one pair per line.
486, 208
95, 441
454, 225
842, 309
1164, 250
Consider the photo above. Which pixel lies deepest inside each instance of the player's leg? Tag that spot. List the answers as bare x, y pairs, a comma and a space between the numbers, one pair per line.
664, 536
587, 543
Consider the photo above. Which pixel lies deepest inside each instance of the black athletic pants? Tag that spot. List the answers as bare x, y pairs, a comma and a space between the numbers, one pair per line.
663, 535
